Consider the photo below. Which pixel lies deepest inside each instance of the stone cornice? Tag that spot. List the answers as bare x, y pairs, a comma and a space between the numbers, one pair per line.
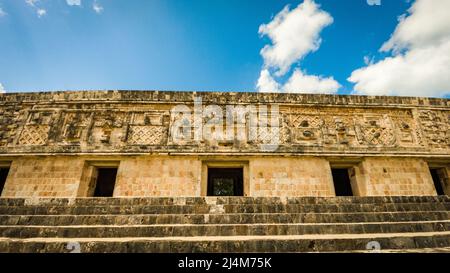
126, 96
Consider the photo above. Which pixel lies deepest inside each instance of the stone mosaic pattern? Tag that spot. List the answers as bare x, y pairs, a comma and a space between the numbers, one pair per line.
140, 122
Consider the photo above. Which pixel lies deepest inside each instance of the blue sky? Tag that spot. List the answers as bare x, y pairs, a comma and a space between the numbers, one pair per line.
209, 45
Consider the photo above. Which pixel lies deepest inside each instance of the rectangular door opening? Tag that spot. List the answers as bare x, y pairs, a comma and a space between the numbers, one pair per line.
438, 180
105, 182
225, 182
3, 175
341, 180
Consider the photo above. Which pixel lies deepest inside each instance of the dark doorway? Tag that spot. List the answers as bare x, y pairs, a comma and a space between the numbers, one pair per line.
341, 180
106, 180
435, 174
225, 182
3, 175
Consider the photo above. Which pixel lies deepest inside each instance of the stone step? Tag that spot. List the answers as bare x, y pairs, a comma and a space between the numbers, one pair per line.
243, 218
219, 229
203, 209
95, 201
230, 244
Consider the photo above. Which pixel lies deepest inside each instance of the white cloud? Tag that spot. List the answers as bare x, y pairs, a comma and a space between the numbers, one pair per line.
294, 33
297, 83
266, 83
73, 2
2, 89
420, 61
302, 83
41, 12
427, 24
97, 7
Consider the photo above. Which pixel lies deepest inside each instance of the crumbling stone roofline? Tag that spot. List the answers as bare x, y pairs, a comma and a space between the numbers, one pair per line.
221, 98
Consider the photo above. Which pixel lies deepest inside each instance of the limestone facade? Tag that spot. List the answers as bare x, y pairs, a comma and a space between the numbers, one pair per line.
53, 143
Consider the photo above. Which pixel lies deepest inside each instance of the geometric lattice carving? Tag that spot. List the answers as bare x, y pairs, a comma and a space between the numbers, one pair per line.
34, 135
378, 136
267, 135
309, 121
99, 126
376, 130
147, 135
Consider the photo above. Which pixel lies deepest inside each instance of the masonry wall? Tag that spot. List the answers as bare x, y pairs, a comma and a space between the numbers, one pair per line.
50, 176
171, 176
287, 177
393, 176
158, 176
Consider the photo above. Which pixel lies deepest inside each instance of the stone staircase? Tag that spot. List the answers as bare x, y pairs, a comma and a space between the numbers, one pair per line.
226, 224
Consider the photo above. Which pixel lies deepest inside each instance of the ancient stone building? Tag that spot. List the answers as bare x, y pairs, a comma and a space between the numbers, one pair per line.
69, 145
59, 144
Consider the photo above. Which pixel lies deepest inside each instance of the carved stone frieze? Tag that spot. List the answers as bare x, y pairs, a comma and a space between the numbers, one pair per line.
36, 129
140, 125
148, 129
436, 128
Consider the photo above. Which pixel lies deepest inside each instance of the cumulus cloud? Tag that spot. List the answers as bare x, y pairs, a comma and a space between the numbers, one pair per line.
2, 89
73, 2
97, 7
266, 83
419, 64
294, 33
427, 24
302, 83
299, 82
